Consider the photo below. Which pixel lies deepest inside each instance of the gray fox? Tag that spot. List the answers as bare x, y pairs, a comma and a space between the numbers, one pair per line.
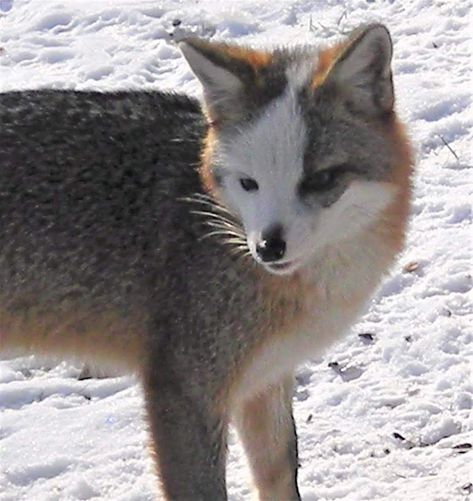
210, 250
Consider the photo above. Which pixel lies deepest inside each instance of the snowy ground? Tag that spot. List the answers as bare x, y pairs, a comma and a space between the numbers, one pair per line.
383, 416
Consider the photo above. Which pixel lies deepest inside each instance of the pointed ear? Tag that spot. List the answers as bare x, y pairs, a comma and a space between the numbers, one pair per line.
225, 71
362, 71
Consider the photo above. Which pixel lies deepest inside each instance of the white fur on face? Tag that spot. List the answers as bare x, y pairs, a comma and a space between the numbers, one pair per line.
358, 207
271, 151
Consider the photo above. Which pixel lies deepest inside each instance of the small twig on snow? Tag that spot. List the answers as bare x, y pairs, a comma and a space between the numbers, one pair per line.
449, 147
344, 13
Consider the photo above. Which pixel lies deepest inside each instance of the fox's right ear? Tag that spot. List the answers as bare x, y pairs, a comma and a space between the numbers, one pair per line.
224, 71
362, 71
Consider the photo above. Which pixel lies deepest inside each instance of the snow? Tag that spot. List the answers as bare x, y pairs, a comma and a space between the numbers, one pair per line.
384, 415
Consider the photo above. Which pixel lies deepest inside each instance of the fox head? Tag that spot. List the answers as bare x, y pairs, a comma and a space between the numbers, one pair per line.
302, 147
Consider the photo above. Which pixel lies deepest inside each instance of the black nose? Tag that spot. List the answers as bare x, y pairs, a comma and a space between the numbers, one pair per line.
272, 246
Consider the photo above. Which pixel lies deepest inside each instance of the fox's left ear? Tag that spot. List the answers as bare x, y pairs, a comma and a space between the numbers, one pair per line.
362, 71
225, 71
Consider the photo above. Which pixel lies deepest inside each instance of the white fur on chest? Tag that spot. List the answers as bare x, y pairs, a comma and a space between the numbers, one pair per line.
284, 352
346, 280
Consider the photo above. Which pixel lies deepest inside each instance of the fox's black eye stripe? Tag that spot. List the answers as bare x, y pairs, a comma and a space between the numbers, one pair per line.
248, 184
321, 181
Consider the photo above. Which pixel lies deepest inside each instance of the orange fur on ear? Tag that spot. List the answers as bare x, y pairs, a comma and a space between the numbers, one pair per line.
226, 56
361, 69
227, 74
256, 58
327, 58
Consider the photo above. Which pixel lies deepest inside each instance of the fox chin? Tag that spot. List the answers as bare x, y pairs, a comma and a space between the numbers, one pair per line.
210, 249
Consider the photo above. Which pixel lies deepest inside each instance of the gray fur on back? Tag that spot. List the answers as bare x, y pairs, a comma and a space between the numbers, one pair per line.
83, 179
91, 215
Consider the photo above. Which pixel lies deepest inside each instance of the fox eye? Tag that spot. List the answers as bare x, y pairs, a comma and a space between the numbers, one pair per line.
249, 184
320, 181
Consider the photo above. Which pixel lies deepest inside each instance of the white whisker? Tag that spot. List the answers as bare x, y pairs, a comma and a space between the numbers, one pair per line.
225, 226
222, 232
210, 214
238, 241
229, 227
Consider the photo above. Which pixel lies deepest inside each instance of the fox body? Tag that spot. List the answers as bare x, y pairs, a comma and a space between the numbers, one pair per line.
209, 251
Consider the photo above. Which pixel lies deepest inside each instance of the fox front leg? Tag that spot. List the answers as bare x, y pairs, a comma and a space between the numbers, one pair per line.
267, 429
189, 438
